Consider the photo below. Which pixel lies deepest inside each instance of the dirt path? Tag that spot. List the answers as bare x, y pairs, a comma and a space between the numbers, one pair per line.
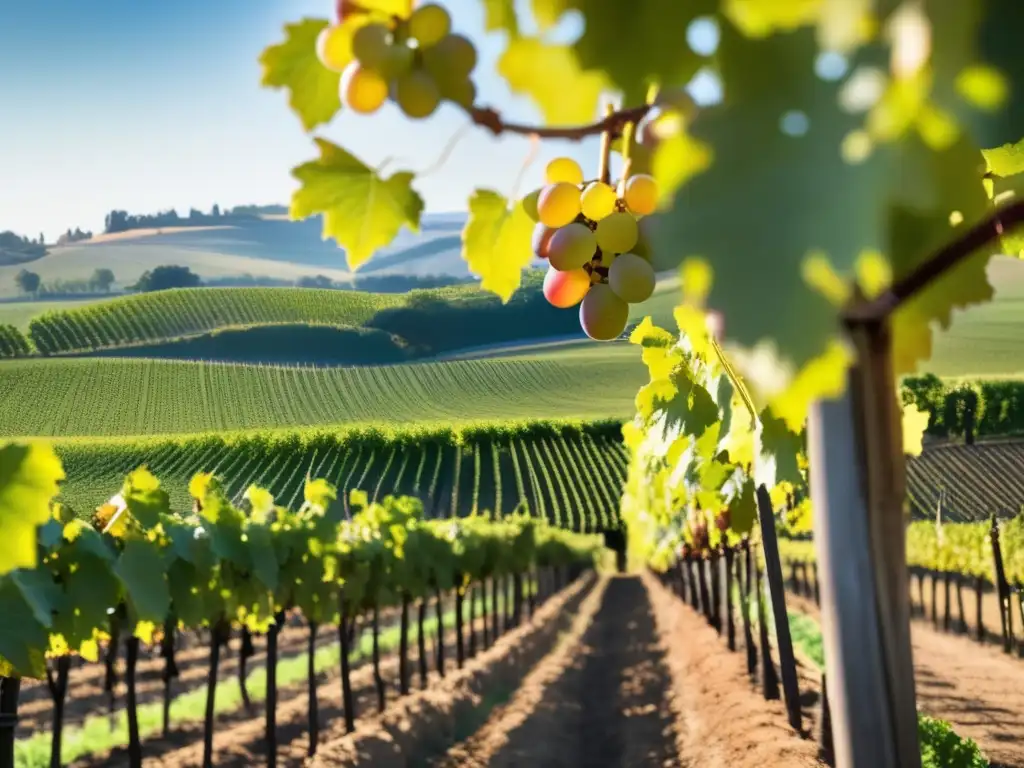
976, 688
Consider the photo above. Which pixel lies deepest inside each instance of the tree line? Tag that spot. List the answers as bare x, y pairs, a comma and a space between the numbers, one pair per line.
122, 221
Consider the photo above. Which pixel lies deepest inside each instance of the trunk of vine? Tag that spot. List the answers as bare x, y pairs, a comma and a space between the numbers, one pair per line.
271, 701
211, 695
403, 648
495, 614
314, 707
110, 665
483, 613
421, 640
245, 651
769, 677
58, 691
381, 694
730, 620
460, 643
531, 582
705, 599
743, 576
347, 700
440, 633
134, 741
170, 672
472, 621
9, 690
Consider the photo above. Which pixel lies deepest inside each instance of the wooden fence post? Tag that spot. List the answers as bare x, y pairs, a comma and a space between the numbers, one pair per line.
1002, 588
776, 587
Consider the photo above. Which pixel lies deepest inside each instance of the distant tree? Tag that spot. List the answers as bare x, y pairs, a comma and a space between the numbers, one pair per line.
101, 280
27, 282
41, 240
215, 211
164, 277
317, 281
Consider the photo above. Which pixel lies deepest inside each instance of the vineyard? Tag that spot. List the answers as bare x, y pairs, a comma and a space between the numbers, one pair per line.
569, 474
136, 397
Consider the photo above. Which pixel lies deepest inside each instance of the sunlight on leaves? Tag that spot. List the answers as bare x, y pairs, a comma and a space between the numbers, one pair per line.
29, 479
361, 211
496, 242
293, 65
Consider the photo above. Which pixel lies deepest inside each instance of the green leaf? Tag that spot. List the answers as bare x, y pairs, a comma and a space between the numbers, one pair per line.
29, 477
655, 27
320, 493
141, 570
771, 198
91, 592
743, 509
145, 499
496, 242
777, 448
40, 592
551, 75
264, 558
1004, 161
362, 211
758, 18
915, 422
293, 64
647, 334
23, 639
262, 502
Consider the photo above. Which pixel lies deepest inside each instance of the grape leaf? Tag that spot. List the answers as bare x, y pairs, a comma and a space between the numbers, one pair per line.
144, 497
777, 448
141, 570
361, 210
22, 638
776, 141
743, 509
264, 558
293, 64
496, 242
29, 477
320, 493
551, 75
40, 592
654, 27
91, 592
915, 422
1007, 160
757, 18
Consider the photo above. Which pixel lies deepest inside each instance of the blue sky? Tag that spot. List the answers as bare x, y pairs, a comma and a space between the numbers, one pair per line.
145, 105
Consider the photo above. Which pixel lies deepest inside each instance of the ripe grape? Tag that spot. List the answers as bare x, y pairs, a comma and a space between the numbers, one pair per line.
559, 204
362, 90
566, 289
631, 278
723, 520
597, 200
334, 47
641, 194
530, 204
453, 58
617, 232
571, 246
428, 24
542, 240
397, 61
603, 315
417, 94
563, 169
370, 44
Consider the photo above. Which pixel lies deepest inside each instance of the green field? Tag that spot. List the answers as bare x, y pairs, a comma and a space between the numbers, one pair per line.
19, 313
568, 473
93, 396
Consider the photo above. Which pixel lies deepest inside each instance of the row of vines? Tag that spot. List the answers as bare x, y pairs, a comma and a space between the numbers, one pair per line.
141, 571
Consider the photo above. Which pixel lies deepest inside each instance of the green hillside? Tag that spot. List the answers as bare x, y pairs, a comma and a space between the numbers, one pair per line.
568, 473
90, 396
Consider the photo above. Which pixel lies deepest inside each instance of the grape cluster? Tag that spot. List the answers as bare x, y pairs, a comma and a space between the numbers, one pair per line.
590, 236
416, 62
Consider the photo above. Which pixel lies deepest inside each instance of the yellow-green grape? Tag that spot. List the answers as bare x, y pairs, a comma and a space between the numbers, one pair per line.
565, 289
417, 94
558, 204
631, 278
453, 58
530, 204
603, 315
641, 194
362, 90
334, 47
617, 233
397, 61
428, 24
571, 247
597, 201
461, 92
563, 169
370, 44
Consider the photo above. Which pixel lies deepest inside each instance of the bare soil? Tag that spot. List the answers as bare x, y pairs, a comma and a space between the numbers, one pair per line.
975, 687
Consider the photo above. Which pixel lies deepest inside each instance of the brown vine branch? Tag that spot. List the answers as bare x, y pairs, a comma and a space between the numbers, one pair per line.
881, 307
613, 124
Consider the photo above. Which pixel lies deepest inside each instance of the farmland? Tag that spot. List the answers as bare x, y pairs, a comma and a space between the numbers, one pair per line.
94, 396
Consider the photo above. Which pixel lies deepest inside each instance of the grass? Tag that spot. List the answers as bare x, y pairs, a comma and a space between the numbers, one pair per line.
100, 733
104, 397
18, 313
